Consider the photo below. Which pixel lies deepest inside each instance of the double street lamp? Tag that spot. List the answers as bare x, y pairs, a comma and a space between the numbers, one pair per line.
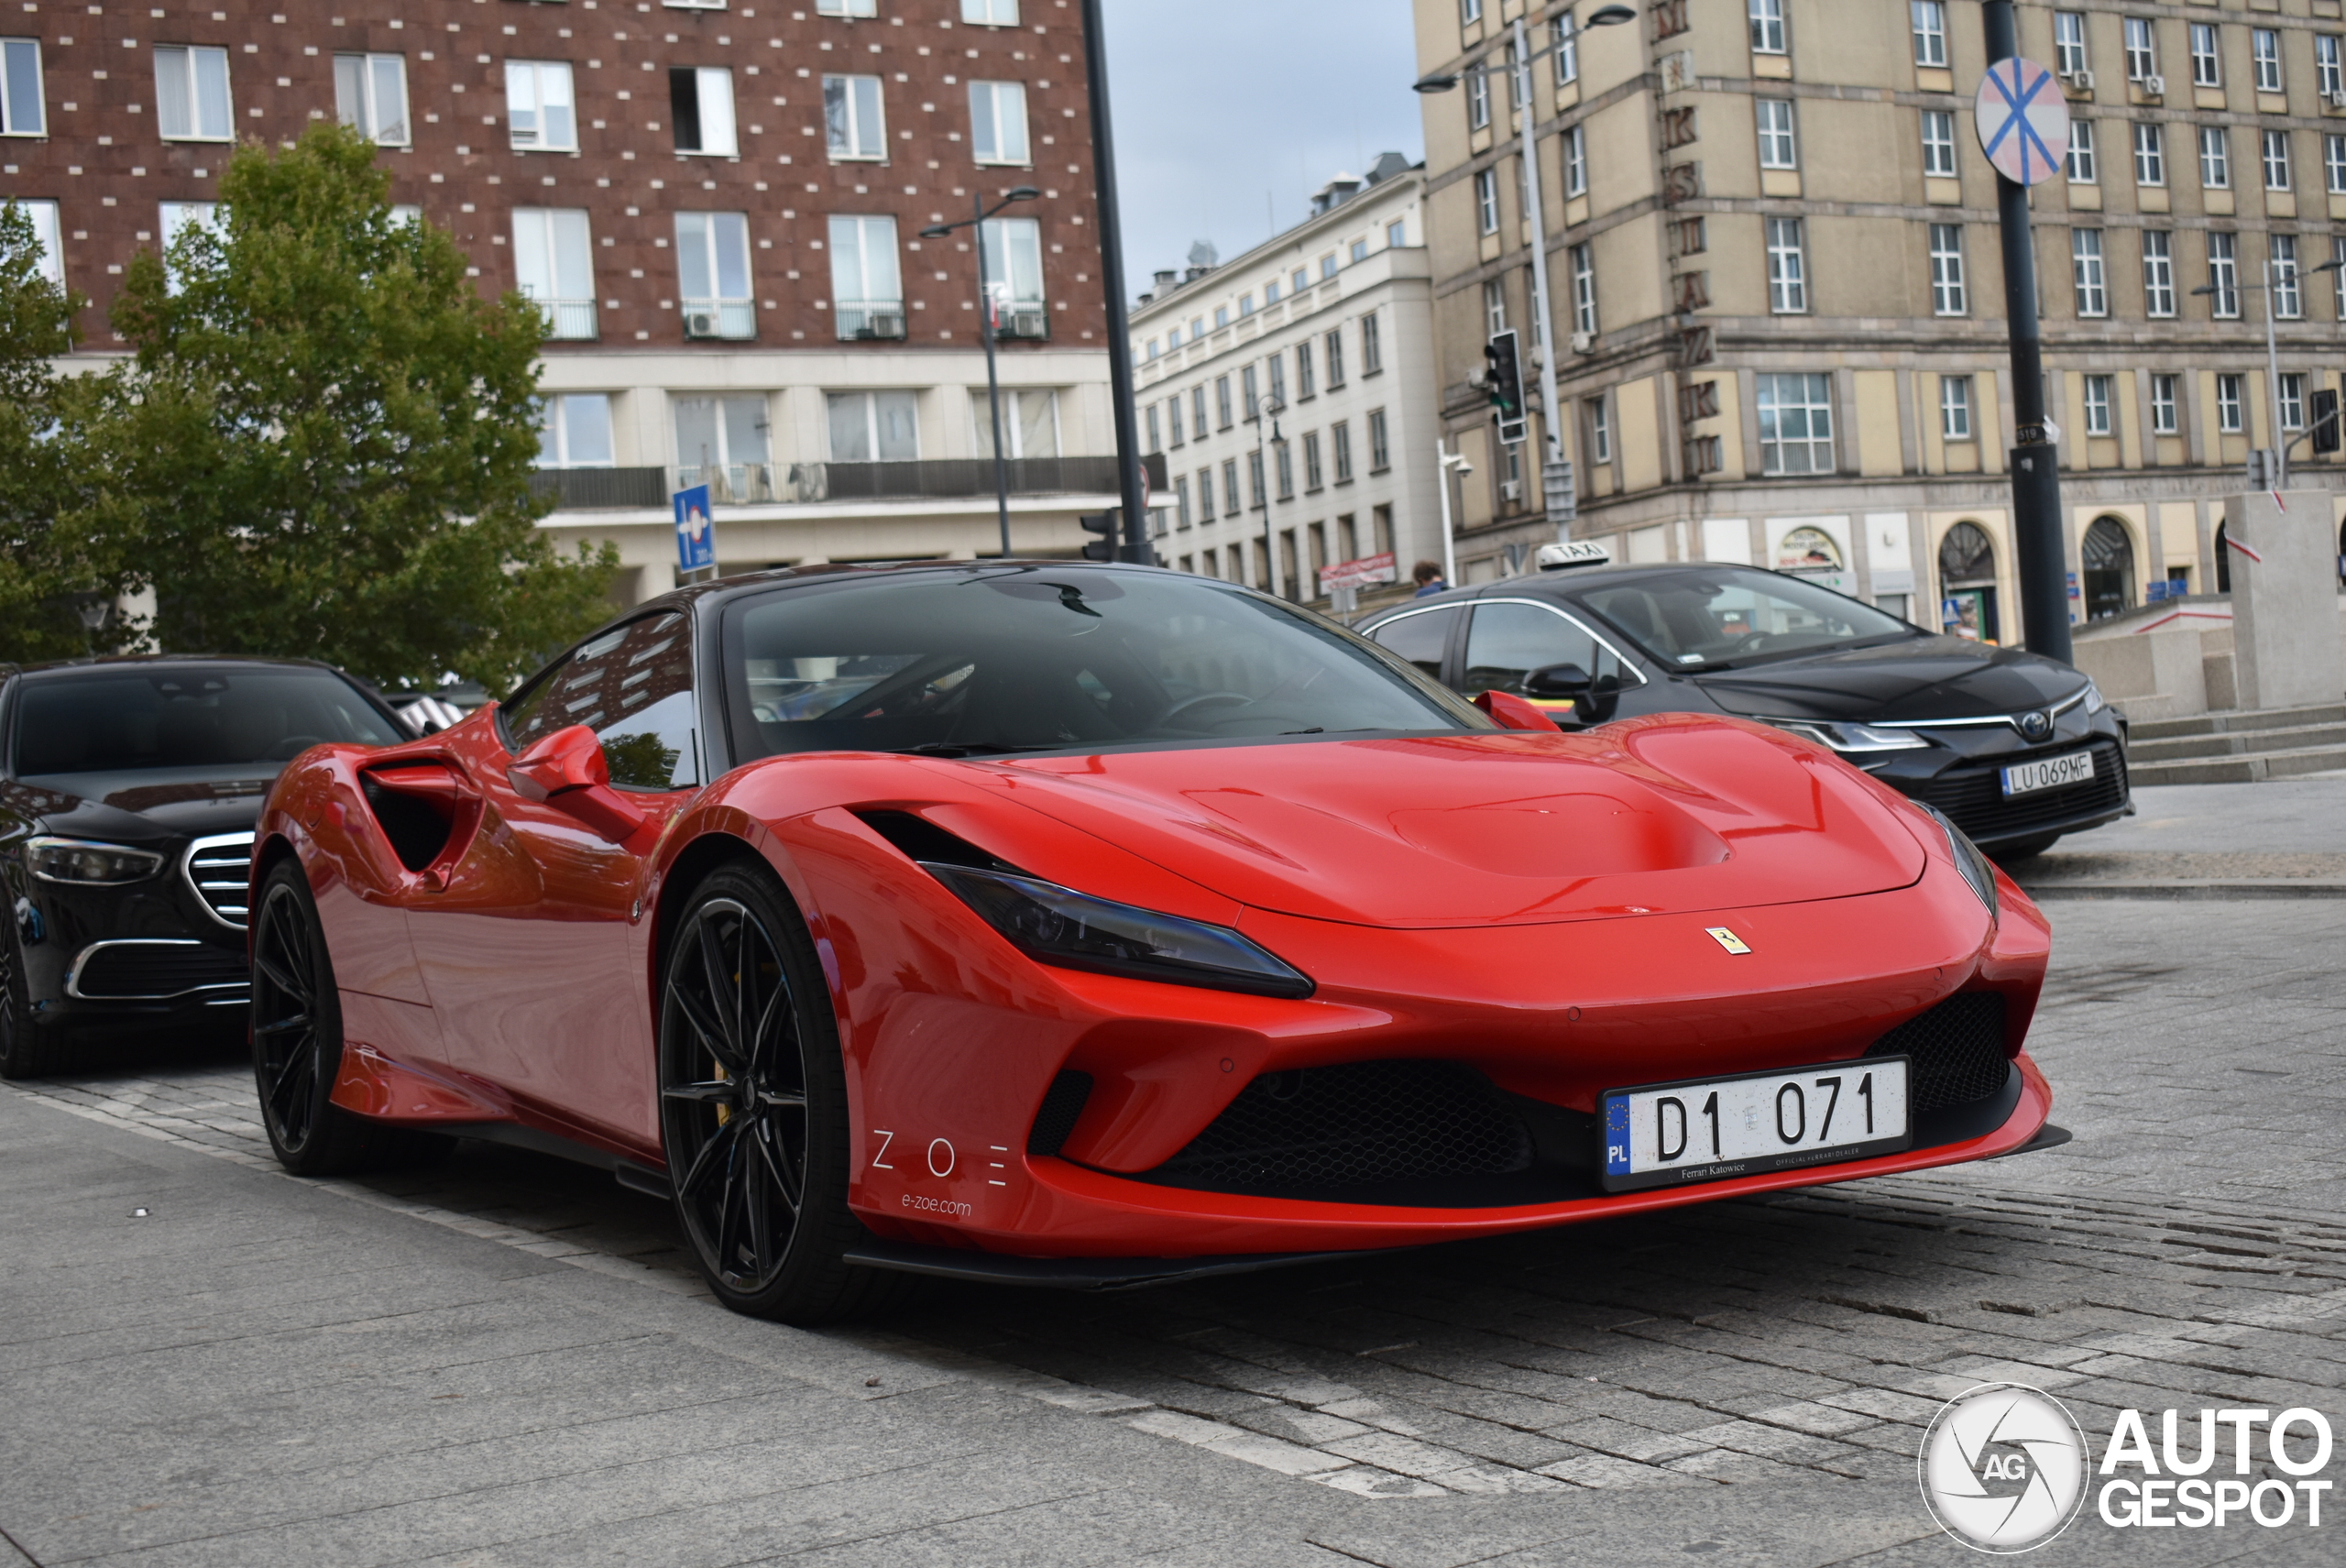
2279, 476
981, 215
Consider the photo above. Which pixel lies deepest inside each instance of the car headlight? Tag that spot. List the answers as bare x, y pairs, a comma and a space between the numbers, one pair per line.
2095, 701
88, 863
1853, 740
1968, 858
1054, 925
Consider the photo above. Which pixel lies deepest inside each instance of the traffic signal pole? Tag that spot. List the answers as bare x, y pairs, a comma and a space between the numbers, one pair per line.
2042, 557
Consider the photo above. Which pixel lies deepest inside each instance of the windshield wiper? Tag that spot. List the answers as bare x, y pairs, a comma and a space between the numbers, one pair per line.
972, 747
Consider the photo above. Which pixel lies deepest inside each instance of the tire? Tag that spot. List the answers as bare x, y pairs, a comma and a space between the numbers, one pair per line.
297, 1043
2024, 849
754, 1108
28, 1050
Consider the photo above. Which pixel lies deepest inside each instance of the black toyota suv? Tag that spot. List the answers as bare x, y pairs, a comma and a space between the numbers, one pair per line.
129, 790
2018, 748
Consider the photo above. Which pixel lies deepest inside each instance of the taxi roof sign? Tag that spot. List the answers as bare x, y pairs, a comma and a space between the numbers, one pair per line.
1576, 553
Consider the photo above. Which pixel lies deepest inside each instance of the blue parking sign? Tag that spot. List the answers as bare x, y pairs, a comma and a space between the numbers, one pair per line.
696, 534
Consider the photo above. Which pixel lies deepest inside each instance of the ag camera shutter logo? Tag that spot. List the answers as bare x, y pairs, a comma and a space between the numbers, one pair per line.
2003, 1467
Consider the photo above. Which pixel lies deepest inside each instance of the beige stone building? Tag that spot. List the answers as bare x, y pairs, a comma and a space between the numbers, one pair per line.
1778, 293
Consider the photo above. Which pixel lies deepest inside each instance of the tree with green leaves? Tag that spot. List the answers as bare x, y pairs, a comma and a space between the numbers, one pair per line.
56, 556
327, 436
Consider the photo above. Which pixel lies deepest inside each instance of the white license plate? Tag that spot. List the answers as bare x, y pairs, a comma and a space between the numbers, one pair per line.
2047, 772
1668, 1134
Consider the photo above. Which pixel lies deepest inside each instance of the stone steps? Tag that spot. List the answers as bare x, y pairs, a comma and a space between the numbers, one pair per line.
2249, 767
2239, 743
2238, 722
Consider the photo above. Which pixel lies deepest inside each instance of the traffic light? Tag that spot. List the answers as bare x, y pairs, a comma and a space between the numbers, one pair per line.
2325, 420
1505, 379
1102, 523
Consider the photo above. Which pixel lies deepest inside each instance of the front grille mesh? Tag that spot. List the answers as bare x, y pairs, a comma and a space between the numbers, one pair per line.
1974, 797
154, 970
1957, 1051
1342, 1126
220, 869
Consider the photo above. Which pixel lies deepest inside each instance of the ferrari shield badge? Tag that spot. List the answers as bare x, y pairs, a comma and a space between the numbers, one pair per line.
1728, 939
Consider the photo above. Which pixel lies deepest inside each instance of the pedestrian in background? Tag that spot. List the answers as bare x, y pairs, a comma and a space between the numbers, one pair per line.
1427, 575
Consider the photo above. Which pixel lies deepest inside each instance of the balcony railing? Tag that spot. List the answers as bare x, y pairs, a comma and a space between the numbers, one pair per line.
570, 319
735, 483
720, 318
862, 319
755, 484
574, 488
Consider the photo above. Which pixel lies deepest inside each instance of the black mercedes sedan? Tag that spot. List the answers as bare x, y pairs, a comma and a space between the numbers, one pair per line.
129, 790
2018, 748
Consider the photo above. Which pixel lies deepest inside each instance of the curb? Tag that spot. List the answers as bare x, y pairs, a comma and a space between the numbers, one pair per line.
2265, 888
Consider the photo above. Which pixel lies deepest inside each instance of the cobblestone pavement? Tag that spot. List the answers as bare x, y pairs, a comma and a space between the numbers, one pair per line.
2187, 1250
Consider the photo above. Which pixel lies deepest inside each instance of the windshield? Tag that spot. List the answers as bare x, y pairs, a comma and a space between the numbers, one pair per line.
1711, 616
180, 715
1047, 658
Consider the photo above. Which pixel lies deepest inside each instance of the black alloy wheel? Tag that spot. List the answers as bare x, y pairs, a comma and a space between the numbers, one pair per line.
754, 1107
297, 1042
26, 1050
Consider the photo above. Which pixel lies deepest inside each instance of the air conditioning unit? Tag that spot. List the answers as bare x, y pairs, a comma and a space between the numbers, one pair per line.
2335, 100
1512, 489
2085, 80
877, 326
1584, 342
2155, 85
1025, 323
700, 323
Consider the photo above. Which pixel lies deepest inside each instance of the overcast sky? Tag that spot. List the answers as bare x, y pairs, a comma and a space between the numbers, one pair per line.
1230, 112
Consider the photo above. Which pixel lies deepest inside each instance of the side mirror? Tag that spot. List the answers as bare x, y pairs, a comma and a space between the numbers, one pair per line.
568, 772
1512, 712
1558, 680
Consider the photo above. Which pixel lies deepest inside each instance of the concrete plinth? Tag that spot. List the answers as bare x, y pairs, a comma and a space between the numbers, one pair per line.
2285, 606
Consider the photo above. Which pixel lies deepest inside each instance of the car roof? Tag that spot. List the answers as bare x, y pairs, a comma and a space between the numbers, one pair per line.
166, 661
832, 571
1564, 580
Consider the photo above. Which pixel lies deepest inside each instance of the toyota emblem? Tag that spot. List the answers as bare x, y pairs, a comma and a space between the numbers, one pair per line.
2037, 726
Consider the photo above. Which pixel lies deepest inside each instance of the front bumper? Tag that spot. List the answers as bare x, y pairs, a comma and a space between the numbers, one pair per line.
1962, 776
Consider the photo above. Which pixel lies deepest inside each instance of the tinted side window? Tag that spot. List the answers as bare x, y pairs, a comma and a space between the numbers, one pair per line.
1507, 641
633, 687
1420, 638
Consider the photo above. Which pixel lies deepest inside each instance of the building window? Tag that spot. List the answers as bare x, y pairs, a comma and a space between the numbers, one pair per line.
1173, 420
2329, 65
847, 7
2293, 399
2166, 418
1372, 345
853, 120
990, 13
1245, 306
1030, 423
1340, 446
1230, 487
1396, 234
1930, 33
1221, 406
1313, 479
2082, 167
2338, 272
1787, 268
21, 111
2223, 275
177, 217
2207, 67
2215, 158
721, 441
1478, 100
1955, 407
700, 102
1182, 499
1276, 364
555, 265
2097, 401
541, 115
1795, 422
1283, 455
2142, 50
192, 93
48, 240
1220, 316
1014, 263
875, 427
1486, 202
370, 96
2158, 272
867, 289
1777, 149
998, 122
1949, 296
1250, 391
1198, 411
1205, 494
1938, 143
2333, 162
1767, 26
1255, 500
575, 431
2086, 272
1304, 388
1155, 429
1469, 12
2289, 300
1332, 351
1328, 262
2150, 155
1577, 161
2068, 42
1565, 39
2276, 161
2265, 48
1493, 307
713, 275
1600, 430
1380, 450
1581, 259
2230, 404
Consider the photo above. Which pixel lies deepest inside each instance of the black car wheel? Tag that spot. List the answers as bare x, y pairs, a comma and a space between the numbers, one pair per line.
26, 1049
754, 1107
297, 1043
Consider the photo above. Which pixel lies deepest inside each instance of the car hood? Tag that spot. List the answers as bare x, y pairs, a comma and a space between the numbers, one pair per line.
1904, 683
190, 803
1667, 813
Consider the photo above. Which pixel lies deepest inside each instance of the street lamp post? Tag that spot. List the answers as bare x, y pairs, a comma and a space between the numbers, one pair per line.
1132, 482
2279, 476
985, 329
1446, 461
1267, 409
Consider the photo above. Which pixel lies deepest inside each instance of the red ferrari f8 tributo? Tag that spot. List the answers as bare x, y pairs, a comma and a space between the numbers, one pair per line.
1088, 925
